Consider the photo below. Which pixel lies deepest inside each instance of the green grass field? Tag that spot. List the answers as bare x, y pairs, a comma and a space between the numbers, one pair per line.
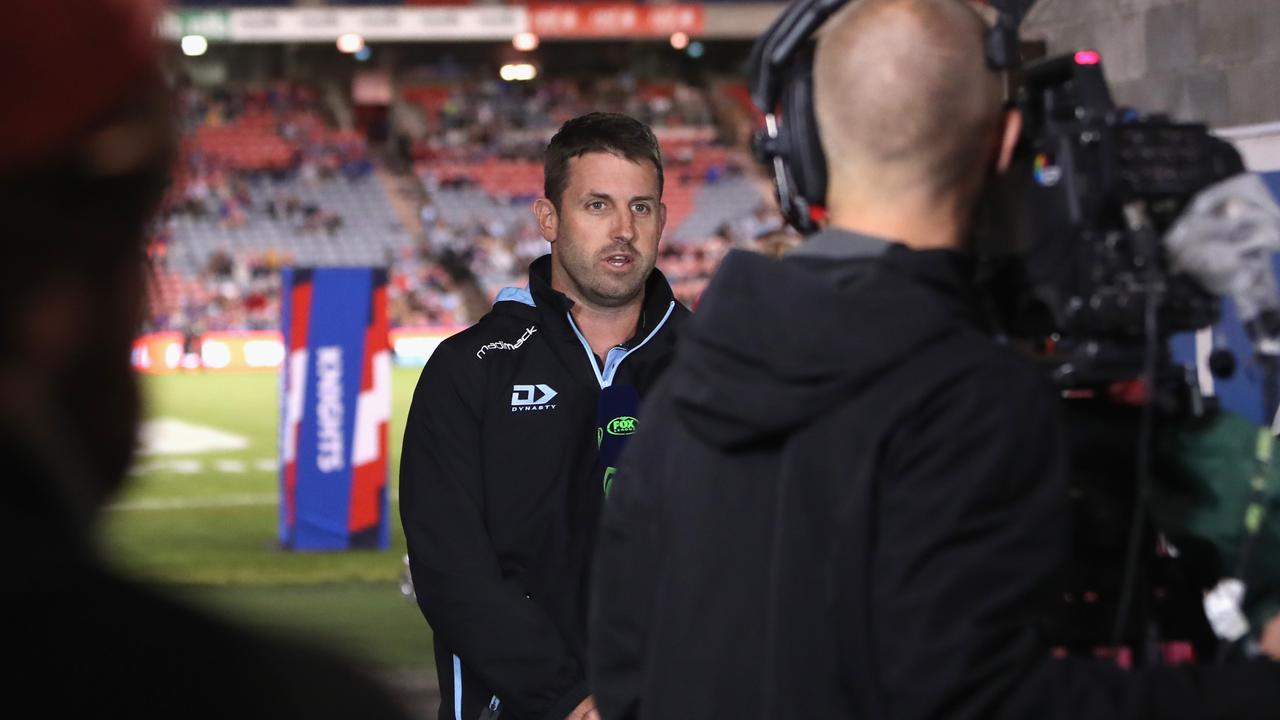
205, 525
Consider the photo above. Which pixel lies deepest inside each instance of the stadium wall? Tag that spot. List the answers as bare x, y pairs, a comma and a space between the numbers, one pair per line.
1212, 60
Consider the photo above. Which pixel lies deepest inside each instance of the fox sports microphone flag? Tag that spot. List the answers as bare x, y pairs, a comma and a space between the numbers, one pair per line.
615, 423
335, 400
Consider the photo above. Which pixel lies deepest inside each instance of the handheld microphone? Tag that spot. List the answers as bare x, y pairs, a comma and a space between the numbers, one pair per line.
615, 423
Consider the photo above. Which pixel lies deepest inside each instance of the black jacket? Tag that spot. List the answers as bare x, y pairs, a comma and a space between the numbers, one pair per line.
500, 492
849, 501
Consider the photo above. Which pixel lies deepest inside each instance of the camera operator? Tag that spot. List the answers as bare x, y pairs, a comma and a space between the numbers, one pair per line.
850, 499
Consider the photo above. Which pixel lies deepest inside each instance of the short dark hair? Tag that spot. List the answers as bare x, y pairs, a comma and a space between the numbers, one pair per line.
613, 133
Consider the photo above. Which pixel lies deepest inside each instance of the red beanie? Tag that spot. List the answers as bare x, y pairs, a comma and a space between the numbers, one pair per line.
63, 64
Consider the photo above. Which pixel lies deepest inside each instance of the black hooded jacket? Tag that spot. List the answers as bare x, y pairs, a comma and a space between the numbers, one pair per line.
848, 501
501, 482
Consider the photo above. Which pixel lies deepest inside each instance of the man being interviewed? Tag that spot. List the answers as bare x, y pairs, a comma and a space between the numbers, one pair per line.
848, 499
509, 443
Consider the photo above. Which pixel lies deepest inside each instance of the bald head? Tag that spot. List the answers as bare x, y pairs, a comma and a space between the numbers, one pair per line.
904, 99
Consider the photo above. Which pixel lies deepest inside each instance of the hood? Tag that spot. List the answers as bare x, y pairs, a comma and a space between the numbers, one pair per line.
776, 342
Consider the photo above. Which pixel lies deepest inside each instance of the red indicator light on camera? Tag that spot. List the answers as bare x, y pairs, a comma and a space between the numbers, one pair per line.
1088, 57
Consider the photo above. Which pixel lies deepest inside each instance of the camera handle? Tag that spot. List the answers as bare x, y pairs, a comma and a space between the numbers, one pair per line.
1147, 246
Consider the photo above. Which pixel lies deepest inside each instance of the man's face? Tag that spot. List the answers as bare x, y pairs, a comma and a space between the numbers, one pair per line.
604, 237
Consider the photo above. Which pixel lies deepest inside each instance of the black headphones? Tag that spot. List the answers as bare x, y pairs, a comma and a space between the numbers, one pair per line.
781, 83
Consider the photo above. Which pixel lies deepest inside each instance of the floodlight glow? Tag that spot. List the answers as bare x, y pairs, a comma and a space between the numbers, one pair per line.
194, 45
679, 40
525, 41
519, 72
350, 43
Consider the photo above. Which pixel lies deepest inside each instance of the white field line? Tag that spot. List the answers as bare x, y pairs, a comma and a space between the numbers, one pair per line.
188, 466
216, 501
234, 467
171, 436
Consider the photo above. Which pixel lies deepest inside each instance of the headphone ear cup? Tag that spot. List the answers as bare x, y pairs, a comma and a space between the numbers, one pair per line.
807, 162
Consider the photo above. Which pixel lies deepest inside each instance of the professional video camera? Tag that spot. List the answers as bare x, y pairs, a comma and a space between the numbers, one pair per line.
1128, 229
1096, 187
1113, 231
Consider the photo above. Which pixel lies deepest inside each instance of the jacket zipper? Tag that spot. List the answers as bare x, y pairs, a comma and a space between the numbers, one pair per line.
618, 354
